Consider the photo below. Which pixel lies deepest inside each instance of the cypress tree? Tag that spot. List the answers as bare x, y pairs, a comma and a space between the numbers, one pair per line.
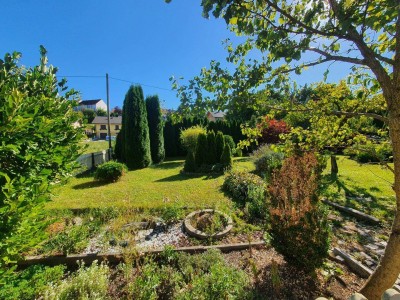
190, 164
219, 144
201, 150
118, 146
212, 149
226, 157
154, 119
136, 130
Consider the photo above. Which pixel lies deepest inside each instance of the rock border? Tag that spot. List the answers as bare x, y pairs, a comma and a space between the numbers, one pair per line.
202, 235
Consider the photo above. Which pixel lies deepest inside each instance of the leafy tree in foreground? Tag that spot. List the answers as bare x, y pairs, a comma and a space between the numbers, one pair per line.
38, 147
364, 34
154, 119
136, 141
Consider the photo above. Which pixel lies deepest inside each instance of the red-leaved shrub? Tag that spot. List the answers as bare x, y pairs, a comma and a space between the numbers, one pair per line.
271, 129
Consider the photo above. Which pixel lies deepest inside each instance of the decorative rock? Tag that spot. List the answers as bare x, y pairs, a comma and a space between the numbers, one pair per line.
382, 244
370, 263
391, 294
77, 221
357, 296
123, 244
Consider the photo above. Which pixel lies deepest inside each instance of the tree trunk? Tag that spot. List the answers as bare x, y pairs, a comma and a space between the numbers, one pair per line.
388, 269
334, 165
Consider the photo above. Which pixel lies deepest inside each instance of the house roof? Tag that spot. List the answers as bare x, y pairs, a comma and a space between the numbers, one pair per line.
217, 114
90, 102
104, 120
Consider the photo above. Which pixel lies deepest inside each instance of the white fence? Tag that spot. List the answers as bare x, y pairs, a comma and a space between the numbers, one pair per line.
91, 160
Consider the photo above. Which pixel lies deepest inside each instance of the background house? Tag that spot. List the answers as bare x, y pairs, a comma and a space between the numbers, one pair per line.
91, 104
101, 126
215, 116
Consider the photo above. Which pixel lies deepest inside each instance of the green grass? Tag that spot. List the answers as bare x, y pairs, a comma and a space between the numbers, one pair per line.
356, 182
146, 188
96, 146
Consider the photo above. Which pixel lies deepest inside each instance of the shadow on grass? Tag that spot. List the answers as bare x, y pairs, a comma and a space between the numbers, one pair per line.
168, 165
89, 185
85, 174
242, 159
182, 176
353, 195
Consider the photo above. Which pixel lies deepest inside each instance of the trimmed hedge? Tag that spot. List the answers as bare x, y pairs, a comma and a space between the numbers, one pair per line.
110, 171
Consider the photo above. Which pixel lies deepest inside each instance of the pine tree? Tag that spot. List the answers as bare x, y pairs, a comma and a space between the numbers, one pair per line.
154, 119
219, 144
226, 157
136, 149
212, 149
201, 150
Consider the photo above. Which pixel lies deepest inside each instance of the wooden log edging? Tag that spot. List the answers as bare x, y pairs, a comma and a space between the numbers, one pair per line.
115, 258
353, 212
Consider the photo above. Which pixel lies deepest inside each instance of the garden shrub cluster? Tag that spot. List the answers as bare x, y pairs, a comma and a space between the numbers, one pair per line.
110, 171
370, 152
299, 228
32, 282
86, 283
248, 191
208, 154
184, 276
267, 161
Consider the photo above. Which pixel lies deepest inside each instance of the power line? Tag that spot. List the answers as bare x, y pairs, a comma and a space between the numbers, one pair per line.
132, 82
118, 79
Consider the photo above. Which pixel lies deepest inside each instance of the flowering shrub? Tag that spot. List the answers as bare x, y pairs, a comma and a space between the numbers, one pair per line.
299, 229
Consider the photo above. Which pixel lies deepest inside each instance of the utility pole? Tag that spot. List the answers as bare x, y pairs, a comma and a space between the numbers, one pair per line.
108, 114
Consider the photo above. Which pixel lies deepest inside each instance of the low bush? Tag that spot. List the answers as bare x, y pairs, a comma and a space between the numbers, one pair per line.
31, 283
249, 192
299, 228
86, 283
267, 161
110, 171
184, 276
189, 137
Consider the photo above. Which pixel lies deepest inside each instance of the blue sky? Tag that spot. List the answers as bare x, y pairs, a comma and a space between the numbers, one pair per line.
143, 41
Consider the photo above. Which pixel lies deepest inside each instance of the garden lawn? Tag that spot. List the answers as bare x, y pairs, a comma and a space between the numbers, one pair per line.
96, 146
366, 187
146, 188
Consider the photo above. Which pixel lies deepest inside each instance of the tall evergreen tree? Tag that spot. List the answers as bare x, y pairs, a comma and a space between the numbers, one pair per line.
201, 150
154, 119
219, 144
136, 148
212, 149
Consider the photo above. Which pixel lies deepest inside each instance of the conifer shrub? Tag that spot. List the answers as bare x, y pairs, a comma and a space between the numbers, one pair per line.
190, 163
156, 132
226, 158
118, 146
110, 171
219, 144
189, 137
229, 140
211, 149
298, 226
201, 150
267, 161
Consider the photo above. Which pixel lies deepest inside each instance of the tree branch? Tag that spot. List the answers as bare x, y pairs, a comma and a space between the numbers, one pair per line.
329, 56
334, 113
